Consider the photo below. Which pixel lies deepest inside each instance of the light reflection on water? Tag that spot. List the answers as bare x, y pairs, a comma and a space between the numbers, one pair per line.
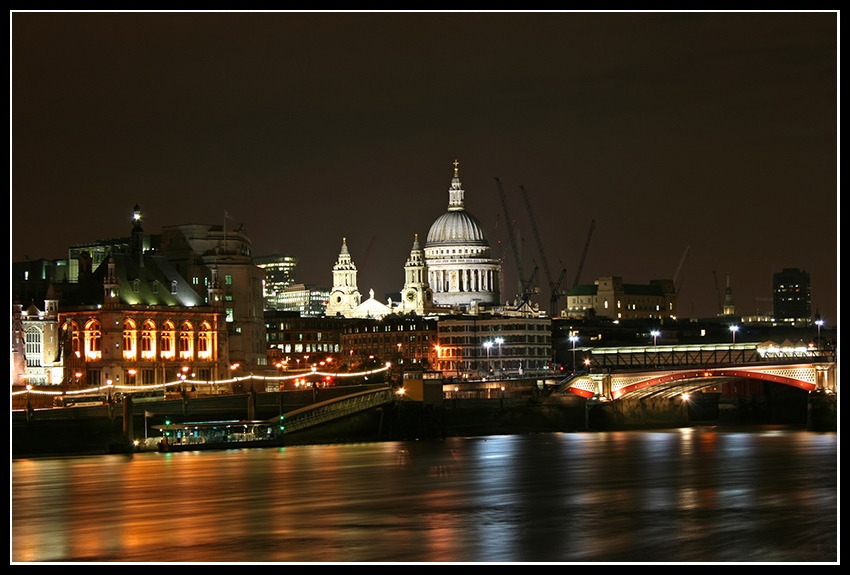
701, 495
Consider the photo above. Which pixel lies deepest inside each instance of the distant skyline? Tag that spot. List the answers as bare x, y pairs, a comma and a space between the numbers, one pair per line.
707, 132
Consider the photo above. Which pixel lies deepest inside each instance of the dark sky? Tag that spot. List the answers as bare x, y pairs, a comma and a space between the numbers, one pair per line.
713, 134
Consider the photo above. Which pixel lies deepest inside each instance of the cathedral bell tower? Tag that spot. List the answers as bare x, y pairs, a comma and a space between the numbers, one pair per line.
416, 295
344, 296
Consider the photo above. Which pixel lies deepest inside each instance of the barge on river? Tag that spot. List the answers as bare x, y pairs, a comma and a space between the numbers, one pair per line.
193, 436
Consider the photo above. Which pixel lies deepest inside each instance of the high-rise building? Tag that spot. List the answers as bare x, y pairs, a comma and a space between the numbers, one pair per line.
307, 300
280, 274
792, 296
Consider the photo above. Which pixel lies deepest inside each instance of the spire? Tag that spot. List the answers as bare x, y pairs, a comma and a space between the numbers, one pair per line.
344, 262
456, 202
728, 302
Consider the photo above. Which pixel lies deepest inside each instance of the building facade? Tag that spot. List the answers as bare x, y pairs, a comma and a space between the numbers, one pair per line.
204, 254
470, 347
297, 342
36, 349
405, 340
610, 297
308, 300
135, 320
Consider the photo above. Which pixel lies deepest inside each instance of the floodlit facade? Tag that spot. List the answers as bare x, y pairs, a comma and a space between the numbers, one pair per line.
470, 347
610, 297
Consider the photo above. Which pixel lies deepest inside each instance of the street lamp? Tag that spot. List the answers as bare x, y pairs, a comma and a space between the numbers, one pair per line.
819, 323
499, 341
574, 339
487, 346
734, 330
655, 333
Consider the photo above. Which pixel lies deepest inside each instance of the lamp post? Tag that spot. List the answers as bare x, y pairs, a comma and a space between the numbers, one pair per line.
487, 346
234, 386
499, 341
29, 403
574, 339
109, 398
734, 330
819, 323
655, 333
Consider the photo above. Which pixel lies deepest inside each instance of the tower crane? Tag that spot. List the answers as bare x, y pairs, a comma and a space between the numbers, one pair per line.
676, 284
525, 286
584, 252
717, 291
554, 288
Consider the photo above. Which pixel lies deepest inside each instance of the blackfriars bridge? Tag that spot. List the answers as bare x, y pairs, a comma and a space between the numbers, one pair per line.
668, 371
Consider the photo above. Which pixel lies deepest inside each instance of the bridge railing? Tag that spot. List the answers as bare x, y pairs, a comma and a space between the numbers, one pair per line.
336, 408
671, 356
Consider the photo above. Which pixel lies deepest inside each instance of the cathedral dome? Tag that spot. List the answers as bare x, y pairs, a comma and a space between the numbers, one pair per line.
456, 228
461, 273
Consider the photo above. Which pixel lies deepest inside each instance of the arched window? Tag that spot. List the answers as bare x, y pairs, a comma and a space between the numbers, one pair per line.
130, 334
187, 335
166, 341
33, 352
149, 340
74, 336
205, 342
93, 340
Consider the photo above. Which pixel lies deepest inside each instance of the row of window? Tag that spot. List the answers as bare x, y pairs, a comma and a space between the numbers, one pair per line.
149, 343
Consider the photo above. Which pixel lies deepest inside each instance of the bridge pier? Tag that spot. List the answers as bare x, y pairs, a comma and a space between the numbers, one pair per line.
646, 413
822, 412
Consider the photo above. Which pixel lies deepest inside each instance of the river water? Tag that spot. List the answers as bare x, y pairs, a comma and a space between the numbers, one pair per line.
704, 495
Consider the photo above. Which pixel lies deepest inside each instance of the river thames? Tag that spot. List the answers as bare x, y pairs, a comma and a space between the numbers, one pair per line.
702, 495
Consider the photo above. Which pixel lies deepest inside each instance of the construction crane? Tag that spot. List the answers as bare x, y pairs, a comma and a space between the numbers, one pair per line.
554, 288
676, 284
584, 253
365, 259
719, 297
525, 286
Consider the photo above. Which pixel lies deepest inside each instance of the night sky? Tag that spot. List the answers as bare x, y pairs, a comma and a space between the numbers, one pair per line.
714, 134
